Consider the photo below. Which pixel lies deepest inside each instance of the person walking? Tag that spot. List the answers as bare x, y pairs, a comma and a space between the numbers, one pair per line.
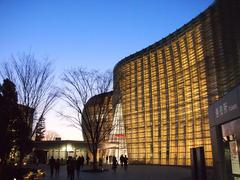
114, 163
57, 167
88, 159
72, 168
37, 161
78, 165
121, 160
100, 163
68, 166
52, 165
107, 159
82, 161
125, 162
110, 159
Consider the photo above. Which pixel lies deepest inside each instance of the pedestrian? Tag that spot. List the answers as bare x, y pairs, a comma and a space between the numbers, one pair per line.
78, 165
37, 162
82, 161
88, 159
125, 161
110, 159
52, 165
68, 166
114, 164
61, 162
57, 167
72, 168
100, 163
106, 159
121, 160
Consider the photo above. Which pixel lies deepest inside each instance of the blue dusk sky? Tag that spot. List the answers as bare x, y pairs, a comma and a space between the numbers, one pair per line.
89, 33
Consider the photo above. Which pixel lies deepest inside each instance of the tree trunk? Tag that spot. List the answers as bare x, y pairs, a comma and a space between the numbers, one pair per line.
21, 160
1, 169
94, 159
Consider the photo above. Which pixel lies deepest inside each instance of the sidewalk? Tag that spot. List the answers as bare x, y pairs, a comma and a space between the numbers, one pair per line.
134, 172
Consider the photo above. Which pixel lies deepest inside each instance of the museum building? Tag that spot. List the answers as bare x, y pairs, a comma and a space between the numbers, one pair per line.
167, 88
224, 119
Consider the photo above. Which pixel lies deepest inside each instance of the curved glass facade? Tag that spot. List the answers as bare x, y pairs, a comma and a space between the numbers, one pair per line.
166, 90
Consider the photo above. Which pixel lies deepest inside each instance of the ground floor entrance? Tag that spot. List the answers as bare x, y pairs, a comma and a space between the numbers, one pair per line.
231, 139
224, 119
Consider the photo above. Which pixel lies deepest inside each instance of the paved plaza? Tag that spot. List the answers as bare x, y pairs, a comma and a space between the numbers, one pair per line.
134, 172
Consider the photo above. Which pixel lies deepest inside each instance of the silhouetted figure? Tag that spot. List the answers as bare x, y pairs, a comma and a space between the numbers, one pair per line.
72, 168
114, 163
68, 166
37, 161
106, 159
82, 161
87, 158
110, 159
121, 160
51, 164
125, 161
100, 163
78, 165
57, 167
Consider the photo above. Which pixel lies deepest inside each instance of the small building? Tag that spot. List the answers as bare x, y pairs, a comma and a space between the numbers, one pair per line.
61, 149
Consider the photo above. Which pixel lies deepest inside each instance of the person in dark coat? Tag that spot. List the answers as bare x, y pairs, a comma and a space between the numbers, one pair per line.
78, 165
52, 165
106, 159
121, 160
72, 168
88, 159
68, 166
114, 163
82, 161
57, 167
125, 162
110, 159
100, 161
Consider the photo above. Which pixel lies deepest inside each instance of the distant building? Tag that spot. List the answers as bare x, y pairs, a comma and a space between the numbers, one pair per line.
102, 110
61, 149
98, 111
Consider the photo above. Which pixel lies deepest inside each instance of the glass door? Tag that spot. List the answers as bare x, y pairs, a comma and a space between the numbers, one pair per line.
231, 137
234, 154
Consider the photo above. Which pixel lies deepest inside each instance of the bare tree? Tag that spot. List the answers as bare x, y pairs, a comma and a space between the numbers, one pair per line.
87, 93
51, 136
40, 130
34, 83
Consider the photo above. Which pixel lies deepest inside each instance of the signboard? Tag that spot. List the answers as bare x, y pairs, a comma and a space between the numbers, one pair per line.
225, 109
234, 157
119, 135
